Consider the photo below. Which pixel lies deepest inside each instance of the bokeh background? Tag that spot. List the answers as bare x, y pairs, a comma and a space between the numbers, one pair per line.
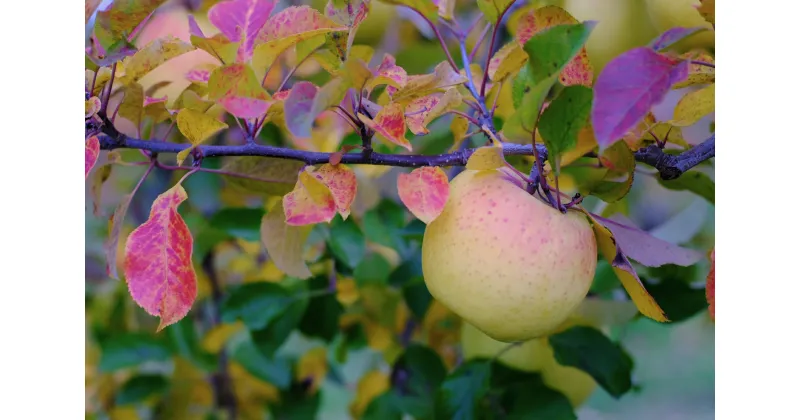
674, 363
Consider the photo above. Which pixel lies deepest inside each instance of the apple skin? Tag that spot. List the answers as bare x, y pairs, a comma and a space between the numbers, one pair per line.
505, 261
531, 356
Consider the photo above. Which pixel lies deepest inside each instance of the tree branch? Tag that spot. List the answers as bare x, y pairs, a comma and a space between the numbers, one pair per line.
673, 166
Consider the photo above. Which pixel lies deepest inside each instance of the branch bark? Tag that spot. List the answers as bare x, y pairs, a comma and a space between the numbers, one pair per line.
673, 166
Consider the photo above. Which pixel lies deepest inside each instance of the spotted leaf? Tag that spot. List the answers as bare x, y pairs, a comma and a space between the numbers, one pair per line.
424, 191
238, 90
390, 124
310, 202
92, 151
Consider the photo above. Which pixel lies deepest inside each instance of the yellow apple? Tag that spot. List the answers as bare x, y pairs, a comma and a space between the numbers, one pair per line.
505, 261
667, 14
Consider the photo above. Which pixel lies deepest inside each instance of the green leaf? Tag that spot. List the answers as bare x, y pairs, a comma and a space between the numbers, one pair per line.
373, 269
323, 320
269, 339
694, 181
256, 304
384, 407
131, 349
407, 271
522, 402
382, 222
347, 242
296, 403
417, 297
492, 8
141, 387
563, 119
590, 350
276, 371
618, 179
273, 176
241, 222
416, 377
184, 341
460, 394
679, 300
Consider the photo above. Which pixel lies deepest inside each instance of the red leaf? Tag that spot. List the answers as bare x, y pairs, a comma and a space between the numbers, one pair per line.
710, 287
158, 261
92, 151
628, 87
390, 124
424, 191
238, 90
341, 180
240, 20
310, 202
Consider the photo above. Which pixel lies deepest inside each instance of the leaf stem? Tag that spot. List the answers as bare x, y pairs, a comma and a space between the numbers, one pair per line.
702, 63
104, 104
491, 47
479, 42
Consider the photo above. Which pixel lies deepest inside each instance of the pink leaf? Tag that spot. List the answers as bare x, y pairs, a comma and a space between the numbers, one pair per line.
240, 20
298, 105
390, 124
424, 191
92, 151
342, 182
628, 87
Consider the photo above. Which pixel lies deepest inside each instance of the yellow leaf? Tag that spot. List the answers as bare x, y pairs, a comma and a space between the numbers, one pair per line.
370, 386
446, 8
417, 86
346, 291
706, 10
197, 127
218, 336
190, 396
285, 243
310, 202
586, 143
153, 55
458, 127
450, 100
252, 394
314, 366
694, 106
487, 157
132, 106
507, 61
356, 72
698, 74
390, 125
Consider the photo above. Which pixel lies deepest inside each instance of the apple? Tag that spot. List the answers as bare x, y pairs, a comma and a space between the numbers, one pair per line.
531, 356
667, 14
505, 261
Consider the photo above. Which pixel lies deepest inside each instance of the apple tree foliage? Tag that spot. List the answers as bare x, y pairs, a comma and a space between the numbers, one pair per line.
297, 257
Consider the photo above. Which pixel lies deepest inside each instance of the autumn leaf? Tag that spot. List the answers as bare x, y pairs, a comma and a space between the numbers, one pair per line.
417, 86
341, 181
493, 8
446, 8
579, 70
310, 202
672, 36
197, 127
388, 73
458, 127
264, 175
417, 109
328, 95
424, 191
699, 74
706, 10
426, 7
507, 61
620, 164
92, 151
487, 157
151, 56
200, 73
284, 242
241, 21
238, 90
98, 179
370, 386
287, 28
312, 368
216, 338
694, 106
298, 105
710, 287
93, 105
90, 7
158, 261
111, 245
218, 45
625, 272
114, 26
628, 87
132, 106
389, 124
156, 109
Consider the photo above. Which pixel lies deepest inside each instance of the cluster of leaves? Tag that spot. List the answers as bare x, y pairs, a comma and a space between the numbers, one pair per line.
353, 281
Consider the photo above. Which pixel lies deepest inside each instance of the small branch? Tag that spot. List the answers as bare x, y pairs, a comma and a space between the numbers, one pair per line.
491, 48
673, 166
104, 103
479, 42
702, 63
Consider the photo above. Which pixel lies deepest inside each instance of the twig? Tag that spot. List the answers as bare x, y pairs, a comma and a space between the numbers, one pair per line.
673, 166
702, 63
491, 47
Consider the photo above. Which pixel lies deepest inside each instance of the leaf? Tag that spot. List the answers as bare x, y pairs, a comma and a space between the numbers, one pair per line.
124, 350
461, 392
277, 371
241, 21
342, 183
298, 105
369, 388
529, 398
241, 222
310, 202
579, 70
449, 101
132, 105
218, 46
416, 376
589, 350
154, 54
680, 300
373, 269
706, 10
618, 179
416, 110
271, 338
507, 61
255, 304
328, 95
493, 8
487, 158
288, 27
694, 181
710, 287
625, 272
389, 124
200, 73
458, 126
563, 120
111, 245
92, 151
197, 127
90, 7
141, 387
672, 36
694, 106
426, 7
98, 179
346, 242
93, 105
388, 73
285, 243
628, 87
158, 261
417, 86
273, 176
114, 26
216, 338
644, 248
312, 368
238, 90
323, 320
156, 109
698, 74
424, 191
